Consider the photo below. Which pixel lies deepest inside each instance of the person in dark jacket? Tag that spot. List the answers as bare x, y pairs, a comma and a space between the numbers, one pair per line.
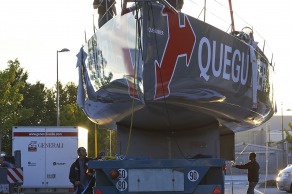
106, 10
5, 163
177, 4
79, 175
252, 172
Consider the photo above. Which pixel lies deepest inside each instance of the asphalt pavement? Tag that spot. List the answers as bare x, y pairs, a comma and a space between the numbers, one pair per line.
238, 184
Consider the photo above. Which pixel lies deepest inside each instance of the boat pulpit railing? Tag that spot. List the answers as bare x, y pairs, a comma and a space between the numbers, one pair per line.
164, 2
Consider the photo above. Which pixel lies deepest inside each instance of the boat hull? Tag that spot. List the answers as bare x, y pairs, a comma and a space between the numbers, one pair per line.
171, 71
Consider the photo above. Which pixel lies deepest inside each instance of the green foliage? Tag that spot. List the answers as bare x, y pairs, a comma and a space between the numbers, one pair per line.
25, 104
289, 136
103, 81
107, 140
34, 97
12, 81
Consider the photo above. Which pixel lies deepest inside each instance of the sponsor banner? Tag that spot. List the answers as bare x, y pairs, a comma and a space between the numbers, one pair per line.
34, 145
45, 134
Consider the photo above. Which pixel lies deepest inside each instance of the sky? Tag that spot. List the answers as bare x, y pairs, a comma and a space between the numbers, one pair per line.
34, 30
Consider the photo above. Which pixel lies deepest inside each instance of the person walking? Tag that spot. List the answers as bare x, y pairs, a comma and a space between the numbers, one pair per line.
252, 172
79, 174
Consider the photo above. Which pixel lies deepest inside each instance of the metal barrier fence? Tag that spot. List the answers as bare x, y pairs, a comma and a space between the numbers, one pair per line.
13, 177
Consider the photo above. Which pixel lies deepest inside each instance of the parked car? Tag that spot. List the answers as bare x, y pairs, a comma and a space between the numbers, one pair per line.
284, 179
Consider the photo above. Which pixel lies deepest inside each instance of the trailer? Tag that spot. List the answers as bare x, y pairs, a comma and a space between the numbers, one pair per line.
46, 156
159, 176
159, 163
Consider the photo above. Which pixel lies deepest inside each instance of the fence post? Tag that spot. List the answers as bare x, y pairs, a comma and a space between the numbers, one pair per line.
17, 158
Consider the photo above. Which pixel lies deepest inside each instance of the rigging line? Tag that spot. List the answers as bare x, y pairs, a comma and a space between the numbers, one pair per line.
159, 60
237, 15
107, 12
198, 6
228, 28
164, 98
242, 151
245, 22
234, 12
203, 8
163, 89
195, 2
244, 148
133, 94
223, 20
200, 13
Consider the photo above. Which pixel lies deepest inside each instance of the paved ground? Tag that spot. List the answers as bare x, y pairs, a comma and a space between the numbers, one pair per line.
238, 184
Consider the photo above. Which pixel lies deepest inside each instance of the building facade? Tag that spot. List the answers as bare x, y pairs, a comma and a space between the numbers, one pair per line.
268, 141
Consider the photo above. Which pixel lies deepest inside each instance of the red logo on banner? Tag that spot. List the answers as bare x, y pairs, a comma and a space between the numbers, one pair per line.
181, 41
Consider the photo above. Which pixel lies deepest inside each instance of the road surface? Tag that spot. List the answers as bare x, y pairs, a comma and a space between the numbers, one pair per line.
238, 184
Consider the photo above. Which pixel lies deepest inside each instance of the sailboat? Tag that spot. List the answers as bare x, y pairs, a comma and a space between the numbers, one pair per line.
161, 72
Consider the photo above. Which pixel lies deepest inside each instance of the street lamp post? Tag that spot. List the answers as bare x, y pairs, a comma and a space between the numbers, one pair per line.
58, 105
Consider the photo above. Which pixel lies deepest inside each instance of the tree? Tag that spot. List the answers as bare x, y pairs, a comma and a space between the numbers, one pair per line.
35, 97
107, 139
72, 115
12, 80
289, 136
25, 104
